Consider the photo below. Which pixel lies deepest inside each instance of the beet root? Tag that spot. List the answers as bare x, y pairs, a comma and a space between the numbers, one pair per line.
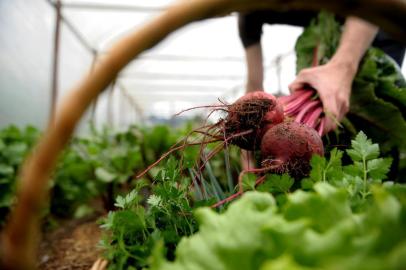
255, 112
288, 148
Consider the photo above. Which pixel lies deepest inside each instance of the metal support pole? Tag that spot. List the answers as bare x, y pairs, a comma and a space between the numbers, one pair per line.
55, 64
112, 7
137, 108
278, 63
72, 28
94, 103
110, 118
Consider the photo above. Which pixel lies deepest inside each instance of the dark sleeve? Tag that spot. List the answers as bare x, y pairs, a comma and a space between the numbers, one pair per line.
250, 24
249, 28
390, 46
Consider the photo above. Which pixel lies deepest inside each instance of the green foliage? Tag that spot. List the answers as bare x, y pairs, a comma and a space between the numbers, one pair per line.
379, 99
277, 184
15, 144
162, 213
345, 218
366, 169
248, 181
90, 167
144, 220
367, 165
313, 230
100, 165
104, 164
331, 225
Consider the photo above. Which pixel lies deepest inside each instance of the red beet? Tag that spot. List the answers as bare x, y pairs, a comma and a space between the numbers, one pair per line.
288, 148
255, 112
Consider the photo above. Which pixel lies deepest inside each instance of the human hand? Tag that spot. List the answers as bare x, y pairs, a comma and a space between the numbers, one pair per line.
333, 83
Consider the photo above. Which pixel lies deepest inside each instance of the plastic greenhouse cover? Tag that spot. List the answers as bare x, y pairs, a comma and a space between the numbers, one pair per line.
196, 65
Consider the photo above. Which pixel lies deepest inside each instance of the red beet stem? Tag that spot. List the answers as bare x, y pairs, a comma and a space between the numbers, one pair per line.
168, 153
306, 118
286, 99
315, 60
228, 199
320, 129
239, 193
219, 147
307, 108
314, 117
298, 102
255, 170
293, 112
216, 107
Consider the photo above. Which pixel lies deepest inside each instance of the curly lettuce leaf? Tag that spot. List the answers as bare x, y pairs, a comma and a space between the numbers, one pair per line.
233, 240
313, 230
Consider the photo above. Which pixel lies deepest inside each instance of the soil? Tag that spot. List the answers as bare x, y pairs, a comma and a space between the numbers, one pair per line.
74, 245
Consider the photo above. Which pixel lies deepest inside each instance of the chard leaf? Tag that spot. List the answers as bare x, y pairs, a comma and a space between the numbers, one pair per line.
323, 32
380, 119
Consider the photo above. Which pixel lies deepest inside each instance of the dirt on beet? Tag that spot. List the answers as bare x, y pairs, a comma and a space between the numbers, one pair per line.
244, 116
74, 245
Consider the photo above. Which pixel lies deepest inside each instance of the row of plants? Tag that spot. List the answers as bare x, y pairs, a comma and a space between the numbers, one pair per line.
15, 144
341, 217
93, 170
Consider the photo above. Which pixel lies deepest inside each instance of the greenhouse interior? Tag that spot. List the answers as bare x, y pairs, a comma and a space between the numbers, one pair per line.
202, 134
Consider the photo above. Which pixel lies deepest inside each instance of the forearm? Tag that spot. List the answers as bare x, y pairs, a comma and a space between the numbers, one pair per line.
355, 40
255, 72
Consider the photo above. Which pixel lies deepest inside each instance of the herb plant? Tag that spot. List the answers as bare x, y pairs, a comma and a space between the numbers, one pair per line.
143, 219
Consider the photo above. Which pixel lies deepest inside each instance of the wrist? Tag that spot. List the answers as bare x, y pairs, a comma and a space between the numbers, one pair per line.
347, 65
254, 86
